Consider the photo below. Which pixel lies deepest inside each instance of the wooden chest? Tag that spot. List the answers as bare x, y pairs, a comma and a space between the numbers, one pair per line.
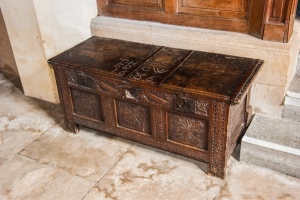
187, 102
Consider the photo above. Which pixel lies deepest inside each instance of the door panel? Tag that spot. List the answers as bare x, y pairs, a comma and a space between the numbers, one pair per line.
141, 5
214, 8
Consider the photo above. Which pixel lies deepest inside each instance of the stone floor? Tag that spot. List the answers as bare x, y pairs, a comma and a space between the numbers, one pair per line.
39, 160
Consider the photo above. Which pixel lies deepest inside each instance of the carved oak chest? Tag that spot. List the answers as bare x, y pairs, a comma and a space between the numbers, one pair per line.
187, 102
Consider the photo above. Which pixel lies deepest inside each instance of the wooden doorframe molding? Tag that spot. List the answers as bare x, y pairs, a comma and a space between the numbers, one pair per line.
278, 20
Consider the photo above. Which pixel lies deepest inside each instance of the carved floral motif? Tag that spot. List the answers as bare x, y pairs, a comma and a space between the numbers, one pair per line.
201, 107
133, 116
188, 130
86, 104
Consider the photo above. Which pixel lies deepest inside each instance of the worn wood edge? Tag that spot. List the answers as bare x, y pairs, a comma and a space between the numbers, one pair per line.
241, 90
209, 95
236, 98
53, 61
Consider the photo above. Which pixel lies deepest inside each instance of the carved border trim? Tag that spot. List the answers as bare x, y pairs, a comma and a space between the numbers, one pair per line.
64, 98
217, 165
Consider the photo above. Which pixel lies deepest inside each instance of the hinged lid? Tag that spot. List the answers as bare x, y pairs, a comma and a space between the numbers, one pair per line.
213, 75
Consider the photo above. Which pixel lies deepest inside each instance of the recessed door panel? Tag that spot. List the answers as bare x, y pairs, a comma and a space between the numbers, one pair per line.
143, 5
220, 8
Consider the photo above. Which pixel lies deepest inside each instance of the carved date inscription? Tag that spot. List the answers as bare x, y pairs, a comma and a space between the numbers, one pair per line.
124, 67
86, 104
133, 116
188, 130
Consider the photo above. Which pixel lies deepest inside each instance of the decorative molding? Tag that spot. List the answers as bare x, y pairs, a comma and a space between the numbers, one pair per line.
217, 163
279, 16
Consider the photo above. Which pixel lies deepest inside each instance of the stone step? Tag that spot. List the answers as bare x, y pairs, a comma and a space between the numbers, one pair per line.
273, 143
292, 97
298, 64
291, 109
291, 113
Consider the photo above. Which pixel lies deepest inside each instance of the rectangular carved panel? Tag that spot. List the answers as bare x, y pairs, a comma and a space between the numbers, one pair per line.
216, 8
80, 79
86, 104
188, 130
143, 5
133, 116
277, 10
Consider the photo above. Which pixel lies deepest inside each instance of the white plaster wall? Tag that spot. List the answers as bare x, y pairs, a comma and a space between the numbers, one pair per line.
64, 23
40, 29
7, 60
24, 34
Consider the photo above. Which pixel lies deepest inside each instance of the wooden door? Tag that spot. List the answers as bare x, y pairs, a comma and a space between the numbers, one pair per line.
268, 19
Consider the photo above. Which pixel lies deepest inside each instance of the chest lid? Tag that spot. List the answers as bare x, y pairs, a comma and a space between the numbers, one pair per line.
213, 75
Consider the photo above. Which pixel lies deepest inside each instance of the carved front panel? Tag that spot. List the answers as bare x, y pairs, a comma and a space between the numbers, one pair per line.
80, 79
86, 104
220, 8
188, 130
133, 116
145, 5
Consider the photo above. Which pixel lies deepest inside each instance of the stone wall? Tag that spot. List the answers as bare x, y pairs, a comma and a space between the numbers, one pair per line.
40, 29
7, 60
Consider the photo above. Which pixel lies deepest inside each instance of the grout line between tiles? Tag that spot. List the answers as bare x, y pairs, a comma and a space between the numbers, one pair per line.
57, 168
121, 157
104, 134
55, 123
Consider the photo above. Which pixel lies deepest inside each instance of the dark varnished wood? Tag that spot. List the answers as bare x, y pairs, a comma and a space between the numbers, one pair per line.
188, 102
269, 19
279, 16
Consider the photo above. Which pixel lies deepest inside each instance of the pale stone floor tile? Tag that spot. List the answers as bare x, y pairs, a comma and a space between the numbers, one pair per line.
13, 103
36, 115
107, 137
141, 173
23, 178
84, 154
22, 119
147, 173
2, 161
14, 141
18, 131
246, 182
